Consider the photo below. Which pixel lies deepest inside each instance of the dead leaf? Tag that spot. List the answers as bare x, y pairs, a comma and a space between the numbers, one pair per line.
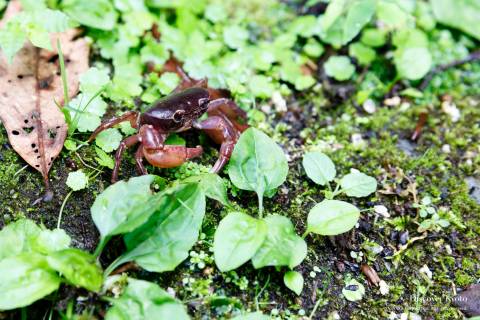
370, 274
30, 86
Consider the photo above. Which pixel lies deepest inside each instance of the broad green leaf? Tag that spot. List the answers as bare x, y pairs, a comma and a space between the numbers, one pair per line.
282, 246
359, 14
78, 267
339, 67
252, 316
373, 37
167, 82
147, 301
12, 38
364, 55
77, 180
319, 167
257, 163
98, 14
18, 237
357, 184
24, 279
25, 236
261, 86
212, 185
237, 239
48, 241
109, 140
123, 206
353, 290
413, 63
294, 281
460, 14
332, 217
392, 15
164, 241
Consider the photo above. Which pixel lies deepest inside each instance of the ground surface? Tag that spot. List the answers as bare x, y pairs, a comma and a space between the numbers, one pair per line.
405, 170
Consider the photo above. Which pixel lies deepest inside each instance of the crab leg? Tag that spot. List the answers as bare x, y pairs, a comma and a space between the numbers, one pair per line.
222, 132
228, 109
126, 143
131, 116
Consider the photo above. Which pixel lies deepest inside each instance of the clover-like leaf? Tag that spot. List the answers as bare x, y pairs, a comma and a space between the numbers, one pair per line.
319, 167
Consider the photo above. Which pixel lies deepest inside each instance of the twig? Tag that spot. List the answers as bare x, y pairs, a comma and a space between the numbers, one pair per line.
474, 56
422, 119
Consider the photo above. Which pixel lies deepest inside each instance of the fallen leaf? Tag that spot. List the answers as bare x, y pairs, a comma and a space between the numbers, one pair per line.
370, 274
29, 88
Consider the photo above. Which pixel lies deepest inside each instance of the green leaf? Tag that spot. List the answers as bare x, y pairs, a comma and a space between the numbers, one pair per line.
374, 37
212, 185
282, 246
235, 36
25, 236
357, 184
77, 180
413, 63
332, 217
392, 15
104, 159
261, 86
319, 167
48, 241
86, 112
252, 316
123, 206
12, 38
109, 140
98, 14
294, 281
353, 291
78, 267
164, 241
364, 55
167, 82
145, 300
17, 237
24, 279
237, 239
339, 67
460, 14
94, 79
257, 163
358, 15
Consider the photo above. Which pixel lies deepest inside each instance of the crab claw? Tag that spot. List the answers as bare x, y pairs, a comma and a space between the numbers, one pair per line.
171, 156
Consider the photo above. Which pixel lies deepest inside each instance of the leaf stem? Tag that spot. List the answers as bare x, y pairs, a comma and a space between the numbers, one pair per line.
117, 262
317, 304
63, 72
305, 234
260, 205
103, 242
61, 209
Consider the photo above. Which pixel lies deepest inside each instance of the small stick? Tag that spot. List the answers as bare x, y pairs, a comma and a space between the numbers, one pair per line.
422, 119
474, 56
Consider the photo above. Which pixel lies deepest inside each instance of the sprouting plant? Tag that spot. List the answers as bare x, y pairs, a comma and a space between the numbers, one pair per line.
332, 217
259, 165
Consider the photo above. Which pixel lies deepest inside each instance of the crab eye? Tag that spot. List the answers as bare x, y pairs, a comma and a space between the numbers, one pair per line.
178, 115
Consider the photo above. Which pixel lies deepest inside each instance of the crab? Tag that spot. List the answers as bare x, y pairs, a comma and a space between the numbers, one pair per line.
178, 112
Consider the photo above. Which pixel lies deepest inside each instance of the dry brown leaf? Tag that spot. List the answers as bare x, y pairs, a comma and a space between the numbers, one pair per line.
30, 86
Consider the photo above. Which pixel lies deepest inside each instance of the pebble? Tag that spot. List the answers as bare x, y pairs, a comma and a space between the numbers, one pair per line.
451, 109
393, 102
382, 210
369, 106
446, 148
279, 102
425, 270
